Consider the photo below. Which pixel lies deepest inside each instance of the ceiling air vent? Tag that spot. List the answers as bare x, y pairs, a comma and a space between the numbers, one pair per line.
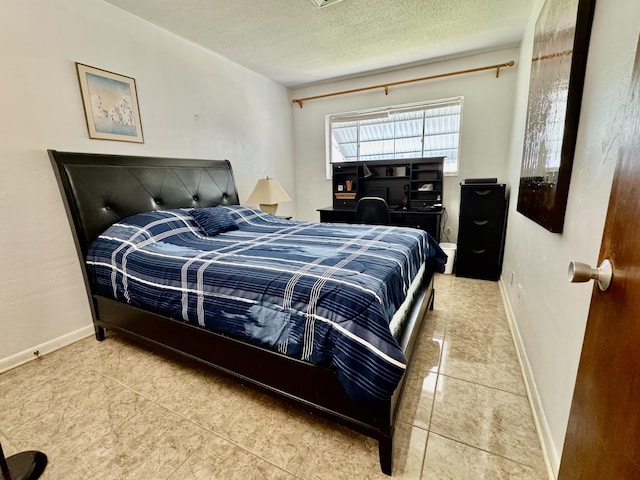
324, 3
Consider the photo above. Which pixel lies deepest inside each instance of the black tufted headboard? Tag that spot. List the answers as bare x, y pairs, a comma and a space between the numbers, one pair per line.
99, 190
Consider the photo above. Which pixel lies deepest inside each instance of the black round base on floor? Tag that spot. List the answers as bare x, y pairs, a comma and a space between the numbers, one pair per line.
25, 466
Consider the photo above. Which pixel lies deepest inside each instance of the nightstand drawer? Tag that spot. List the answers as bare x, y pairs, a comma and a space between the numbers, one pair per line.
480, 232
479, 262
482, 200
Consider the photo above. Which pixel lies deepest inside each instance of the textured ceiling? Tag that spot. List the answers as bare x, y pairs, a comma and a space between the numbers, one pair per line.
294, 43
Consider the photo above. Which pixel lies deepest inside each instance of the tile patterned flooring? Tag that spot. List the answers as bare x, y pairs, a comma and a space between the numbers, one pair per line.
115, 410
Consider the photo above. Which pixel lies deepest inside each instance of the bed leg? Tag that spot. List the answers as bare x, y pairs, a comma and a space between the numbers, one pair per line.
385, 449
100, 333
432, 299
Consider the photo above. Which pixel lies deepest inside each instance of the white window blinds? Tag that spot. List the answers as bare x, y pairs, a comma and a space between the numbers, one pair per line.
429, 129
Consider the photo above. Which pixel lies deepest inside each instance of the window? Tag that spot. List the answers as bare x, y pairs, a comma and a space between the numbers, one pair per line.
429, 129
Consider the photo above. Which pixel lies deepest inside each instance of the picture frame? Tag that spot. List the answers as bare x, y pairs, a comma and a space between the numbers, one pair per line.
560, 48
110, 105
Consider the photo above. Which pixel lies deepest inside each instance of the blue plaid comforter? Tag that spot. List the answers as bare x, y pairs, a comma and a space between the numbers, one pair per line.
322, 293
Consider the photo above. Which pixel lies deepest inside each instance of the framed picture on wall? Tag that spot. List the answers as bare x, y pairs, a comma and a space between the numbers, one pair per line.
110, 105
560, 47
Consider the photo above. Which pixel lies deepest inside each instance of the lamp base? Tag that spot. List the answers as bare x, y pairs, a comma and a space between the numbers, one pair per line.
24, 465
270, 209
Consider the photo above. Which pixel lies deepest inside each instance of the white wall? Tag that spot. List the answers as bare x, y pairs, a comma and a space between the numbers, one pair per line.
550, 314
193, 104
486, 123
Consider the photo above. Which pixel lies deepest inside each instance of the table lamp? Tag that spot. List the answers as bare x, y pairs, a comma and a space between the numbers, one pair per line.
268, 193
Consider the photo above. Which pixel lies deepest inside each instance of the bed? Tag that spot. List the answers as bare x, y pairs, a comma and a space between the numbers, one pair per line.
297, 330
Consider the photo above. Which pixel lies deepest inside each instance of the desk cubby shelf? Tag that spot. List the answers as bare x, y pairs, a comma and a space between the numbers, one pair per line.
397, 181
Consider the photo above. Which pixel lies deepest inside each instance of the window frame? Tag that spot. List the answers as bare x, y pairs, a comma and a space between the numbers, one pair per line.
370, 113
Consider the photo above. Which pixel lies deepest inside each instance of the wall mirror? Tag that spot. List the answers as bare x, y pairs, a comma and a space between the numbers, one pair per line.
560, 48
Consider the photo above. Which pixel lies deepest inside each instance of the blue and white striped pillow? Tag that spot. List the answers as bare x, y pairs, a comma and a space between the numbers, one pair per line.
214, 220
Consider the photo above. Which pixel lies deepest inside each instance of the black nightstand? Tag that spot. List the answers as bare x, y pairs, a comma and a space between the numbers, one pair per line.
483, 216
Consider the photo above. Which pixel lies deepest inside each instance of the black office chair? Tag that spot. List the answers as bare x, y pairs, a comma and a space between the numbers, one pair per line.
372, 211
22, 466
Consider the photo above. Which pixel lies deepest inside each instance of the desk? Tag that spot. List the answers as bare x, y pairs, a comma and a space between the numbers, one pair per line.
426, 220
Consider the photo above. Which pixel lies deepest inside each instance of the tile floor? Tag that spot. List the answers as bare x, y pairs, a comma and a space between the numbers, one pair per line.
115, 410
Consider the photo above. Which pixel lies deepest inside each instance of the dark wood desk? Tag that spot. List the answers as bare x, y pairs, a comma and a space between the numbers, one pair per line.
426, 220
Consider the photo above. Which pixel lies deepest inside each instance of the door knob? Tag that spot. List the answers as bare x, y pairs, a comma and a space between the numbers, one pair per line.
581, 272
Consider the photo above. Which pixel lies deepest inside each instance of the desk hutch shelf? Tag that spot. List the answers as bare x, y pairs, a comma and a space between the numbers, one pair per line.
413, 188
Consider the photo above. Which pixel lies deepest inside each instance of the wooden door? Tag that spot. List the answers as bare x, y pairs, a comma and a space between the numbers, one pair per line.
603, 435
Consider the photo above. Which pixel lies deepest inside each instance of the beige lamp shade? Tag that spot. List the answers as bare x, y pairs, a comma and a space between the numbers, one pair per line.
268, 193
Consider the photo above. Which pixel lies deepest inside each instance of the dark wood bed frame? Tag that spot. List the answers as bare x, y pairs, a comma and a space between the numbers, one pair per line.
99, 190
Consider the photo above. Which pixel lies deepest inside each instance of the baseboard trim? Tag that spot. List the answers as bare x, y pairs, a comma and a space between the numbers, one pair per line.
549, 450
25, 356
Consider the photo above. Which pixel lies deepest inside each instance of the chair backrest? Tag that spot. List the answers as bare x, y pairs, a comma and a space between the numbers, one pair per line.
372, 211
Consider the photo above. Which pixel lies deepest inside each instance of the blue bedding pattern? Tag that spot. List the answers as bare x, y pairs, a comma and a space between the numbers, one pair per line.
323, 293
